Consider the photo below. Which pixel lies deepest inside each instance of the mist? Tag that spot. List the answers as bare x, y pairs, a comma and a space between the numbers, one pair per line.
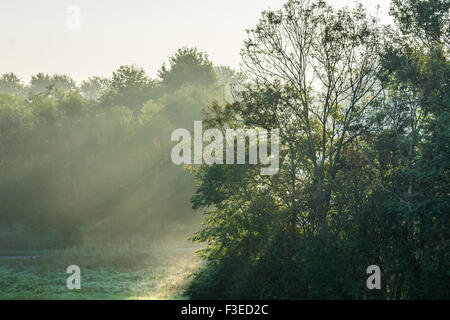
152, 178
77, 166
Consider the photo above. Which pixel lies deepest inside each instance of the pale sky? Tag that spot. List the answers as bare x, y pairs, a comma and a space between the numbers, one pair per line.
34, 36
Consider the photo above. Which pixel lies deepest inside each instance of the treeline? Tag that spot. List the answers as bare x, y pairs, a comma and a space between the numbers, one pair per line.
97, 156
363, 113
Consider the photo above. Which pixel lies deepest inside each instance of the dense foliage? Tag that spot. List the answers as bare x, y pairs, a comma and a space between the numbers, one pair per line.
363, 113
97, 157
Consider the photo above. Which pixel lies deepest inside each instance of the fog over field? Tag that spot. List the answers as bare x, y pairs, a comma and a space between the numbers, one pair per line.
257, 149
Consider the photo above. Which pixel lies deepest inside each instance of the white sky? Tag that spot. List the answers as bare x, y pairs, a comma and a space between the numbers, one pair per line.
34, 36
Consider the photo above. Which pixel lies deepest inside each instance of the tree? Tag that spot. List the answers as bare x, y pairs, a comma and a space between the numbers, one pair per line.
42, 83
16, 128
325, 63
130, 87
413, 178
230, 81
314, 76
94, 87
10, 83
63, 82
187, 66
428, 20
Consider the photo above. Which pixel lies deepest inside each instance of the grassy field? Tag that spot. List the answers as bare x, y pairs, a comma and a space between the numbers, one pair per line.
115, 271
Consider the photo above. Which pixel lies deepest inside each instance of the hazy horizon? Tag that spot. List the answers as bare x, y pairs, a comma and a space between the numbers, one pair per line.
115, 33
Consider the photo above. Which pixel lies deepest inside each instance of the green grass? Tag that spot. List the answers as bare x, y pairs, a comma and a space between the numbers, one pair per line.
114, 272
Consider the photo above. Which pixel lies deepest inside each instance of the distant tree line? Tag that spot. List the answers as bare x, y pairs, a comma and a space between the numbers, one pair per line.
97, 155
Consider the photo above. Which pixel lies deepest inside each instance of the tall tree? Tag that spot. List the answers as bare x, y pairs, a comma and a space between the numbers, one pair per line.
326, 64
